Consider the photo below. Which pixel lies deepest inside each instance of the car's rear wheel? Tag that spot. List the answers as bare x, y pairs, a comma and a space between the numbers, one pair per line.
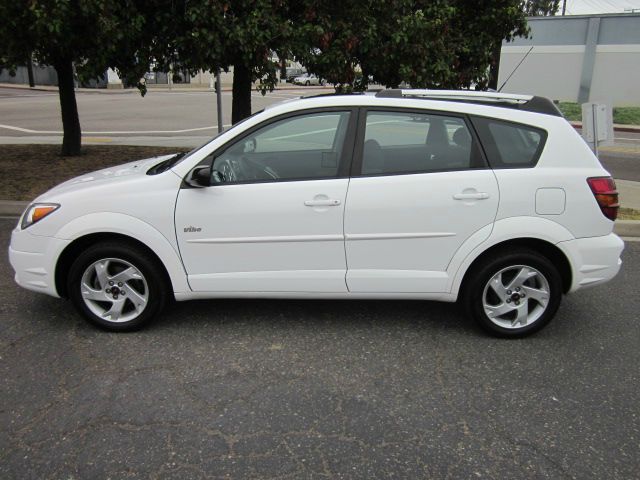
514, 294
118, 287
307, 83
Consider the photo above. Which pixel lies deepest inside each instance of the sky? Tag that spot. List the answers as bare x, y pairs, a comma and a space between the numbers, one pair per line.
584, 7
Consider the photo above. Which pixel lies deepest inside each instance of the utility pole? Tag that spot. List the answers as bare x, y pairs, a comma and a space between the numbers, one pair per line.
219, 101
564, 7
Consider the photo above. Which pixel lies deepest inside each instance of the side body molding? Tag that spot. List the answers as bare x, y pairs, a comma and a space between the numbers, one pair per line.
512, 228
108, 222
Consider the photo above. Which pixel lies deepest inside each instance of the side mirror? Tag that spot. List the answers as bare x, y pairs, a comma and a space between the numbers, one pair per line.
199, 177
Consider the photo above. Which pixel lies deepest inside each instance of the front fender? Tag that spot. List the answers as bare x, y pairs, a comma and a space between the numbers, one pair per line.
108, 222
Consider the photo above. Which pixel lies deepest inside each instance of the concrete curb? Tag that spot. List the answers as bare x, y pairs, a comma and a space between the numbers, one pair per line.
624, 228
11, 208
627, 228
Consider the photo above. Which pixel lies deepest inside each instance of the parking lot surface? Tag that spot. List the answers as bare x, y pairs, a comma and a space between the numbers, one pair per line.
320, 389
127, 113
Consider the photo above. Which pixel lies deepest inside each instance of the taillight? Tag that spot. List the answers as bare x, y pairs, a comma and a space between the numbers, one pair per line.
604, 189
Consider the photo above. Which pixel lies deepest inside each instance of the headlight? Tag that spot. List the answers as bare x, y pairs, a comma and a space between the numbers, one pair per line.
37, 212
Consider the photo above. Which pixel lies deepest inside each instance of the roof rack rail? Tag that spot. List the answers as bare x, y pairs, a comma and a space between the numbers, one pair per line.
529, 103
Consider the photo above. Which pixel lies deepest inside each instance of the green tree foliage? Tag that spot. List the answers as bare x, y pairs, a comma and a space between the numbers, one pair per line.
541, 8
92, 35
243, 34
427, 43
437, 44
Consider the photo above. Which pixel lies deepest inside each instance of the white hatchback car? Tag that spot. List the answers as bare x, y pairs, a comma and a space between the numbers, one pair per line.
493, 199
308, 79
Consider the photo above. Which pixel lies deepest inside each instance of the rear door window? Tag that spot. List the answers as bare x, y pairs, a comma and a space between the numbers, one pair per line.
510, 145
412, 142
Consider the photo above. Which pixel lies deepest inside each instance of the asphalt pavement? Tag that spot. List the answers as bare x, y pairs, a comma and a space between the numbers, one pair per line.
320, 389
622, 167
107, 114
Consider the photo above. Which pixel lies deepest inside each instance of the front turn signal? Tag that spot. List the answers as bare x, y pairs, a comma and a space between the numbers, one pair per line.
37, 212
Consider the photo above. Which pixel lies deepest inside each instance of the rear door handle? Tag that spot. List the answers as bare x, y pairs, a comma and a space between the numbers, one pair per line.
322, 203
471, 196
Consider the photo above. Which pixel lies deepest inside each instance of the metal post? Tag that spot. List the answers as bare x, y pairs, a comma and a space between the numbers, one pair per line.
564, 7
595, 129
219, 100
589, 59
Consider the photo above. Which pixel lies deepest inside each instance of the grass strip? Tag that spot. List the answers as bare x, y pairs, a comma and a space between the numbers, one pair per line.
621, 115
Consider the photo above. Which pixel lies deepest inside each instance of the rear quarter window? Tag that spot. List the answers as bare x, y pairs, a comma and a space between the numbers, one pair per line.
510, 145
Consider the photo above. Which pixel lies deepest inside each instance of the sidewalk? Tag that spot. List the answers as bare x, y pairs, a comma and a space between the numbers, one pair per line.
629, 193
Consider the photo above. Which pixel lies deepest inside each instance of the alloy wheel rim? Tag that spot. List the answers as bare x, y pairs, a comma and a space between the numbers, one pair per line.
114, 290
516, 296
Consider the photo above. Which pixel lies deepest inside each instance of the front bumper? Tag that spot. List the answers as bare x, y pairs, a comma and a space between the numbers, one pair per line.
594, 260
33, 258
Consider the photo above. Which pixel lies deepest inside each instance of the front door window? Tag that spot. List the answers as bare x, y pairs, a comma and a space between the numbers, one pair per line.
304, 147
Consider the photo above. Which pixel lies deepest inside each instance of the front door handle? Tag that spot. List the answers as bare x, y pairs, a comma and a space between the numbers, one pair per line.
471, 196
322, 203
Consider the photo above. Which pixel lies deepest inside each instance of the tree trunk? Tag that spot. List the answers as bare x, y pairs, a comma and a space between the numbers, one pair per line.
283, 69
32, 82
70, 122
494, 68
241, 101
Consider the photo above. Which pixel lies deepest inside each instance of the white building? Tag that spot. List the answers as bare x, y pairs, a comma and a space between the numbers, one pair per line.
576, 58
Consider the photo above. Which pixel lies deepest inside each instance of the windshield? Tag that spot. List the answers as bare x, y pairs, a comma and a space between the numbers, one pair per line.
180, 157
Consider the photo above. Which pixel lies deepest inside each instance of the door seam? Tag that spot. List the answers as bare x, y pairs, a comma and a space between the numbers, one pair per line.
344, 235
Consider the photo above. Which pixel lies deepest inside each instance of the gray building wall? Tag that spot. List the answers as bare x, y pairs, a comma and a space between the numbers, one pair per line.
576, 58
43, 75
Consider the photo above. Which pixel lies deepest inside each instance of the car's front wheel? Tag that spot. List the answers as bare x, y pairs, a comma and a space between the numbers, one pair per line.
118, 287
514, 294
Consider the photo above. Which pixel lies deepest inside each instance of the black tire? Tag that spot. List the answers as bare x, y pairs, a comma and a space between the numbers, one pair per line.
307, 83
473, 295
156, 287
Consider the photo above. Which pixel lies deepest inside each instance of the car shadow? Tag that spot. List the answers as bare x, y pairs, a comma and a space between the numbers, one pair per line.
348, 313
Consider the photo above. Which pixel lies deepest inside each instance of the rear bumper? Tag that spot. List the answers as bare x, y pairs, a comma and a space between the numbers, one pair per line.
33, 258
593, 260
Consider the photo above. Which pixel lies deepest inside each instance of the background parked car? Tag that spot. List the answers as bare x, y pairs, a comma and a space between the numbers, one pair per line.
308, 79
293, 72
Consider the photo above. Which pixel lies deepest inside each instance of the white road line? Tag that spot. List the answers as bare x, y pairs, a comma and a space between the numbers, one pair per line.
271, 95
138, 132
2, 95
212, 93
